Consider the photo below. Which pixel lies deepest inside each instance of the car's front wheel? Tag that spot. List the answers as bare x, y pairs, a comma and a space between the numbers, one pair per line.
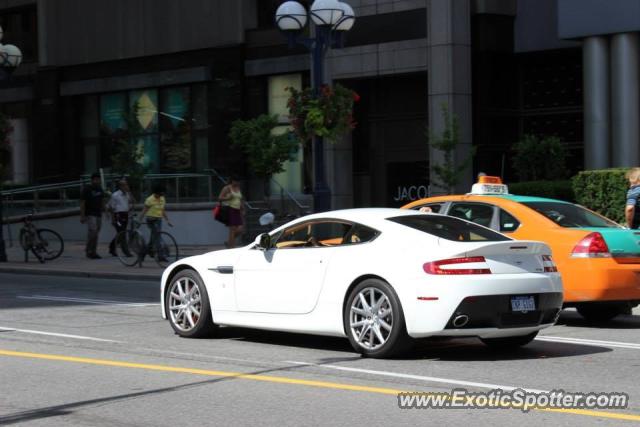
374, 321
509, 343
187, 305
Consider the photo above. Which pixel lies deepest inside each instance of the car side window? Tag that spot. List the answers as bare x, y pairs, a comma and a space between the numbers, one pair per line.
508, 223
294, 237
329, 233
475, 212
360, 234
435, 207
314, 234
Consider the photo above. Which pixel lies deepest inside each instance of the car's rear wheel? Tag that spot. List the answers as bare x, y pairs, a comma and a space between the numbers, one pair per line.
600, 312
509, 343
374, 322
187, 305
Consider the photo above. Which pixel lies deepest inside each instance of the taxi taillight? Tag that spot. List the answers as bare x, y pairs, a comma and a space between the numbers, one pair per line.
592, 246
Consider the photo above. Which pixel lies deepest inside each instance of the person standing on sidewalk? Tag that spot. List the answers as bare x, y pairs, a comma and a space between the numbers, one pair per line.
91, 208
154, 210
120, 205
632, 208
231, 197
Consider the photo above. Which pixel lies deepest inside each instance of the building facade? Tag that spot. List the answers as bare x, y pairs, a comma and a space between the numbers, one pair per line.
173, 75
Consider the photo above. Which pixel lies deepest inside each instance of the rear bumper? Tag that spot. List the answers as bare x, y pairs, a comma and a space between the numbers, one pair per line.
494, 311
600, 280
486, 301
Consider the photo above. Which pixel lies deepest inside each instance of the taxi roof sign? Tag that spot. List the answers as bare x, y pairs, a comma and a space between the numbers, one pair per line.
489, 185
489, 180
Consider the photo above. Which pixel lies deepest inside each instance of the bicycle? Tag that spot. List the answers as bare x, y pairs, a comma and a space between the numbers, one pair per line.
132, 247
44, 243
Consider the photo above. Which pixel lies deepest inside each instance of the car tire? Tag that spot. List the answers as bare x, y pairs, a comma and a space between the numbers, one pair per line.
364, 326
509, 343
187, 306
600, 312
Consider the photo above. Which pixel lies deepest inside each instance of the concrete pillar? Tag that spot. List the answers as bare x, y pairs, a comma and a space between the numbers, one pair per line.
595, 60
19, 141
625, 99
449, 70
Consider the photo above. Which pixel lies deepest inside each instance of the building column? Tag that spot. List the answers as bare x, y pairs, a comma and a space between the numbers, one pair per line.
595, 61
625, 99
449, 69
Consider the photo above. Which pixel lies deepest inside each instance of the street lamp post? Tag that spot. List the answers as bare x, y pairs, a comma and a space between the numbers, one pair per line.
332, 19
10, 59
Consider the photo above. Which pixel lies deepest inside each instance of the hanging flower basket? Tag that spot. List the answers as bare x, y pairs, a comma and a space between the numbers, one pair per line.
330, 115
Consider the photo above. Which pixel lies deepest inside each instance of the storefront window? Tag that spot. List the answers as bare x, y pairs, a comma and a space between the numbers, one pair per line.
291, 179
176, 125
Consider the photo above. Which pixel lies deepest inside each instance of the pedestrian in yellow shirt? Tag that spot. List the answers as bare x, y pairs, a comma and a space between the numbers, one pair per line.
154, 210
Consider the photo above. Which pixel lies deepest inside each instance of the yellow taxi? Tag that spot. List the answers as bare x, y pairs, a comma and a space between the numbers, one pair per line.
599, 259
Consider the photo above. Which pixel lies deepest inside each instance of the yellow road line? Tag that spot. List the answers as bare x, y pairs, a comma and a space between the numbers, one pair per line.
280, 380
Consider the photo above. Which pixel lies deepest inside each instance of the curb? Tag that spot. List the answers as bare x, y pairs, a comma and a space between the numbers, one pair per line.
76, 273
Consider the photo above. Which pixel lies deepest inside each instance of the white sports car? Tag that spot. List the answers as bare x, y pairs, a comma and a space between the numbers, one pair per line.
380, 277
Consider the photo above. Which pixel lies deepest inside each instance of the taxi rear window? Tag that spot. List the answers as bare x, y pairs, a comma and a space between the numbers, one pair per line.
449, 228
568, 215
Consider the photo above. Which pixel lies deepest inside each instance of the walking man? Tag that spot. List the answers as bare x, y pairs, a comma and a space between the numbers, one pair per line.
91, 208
120, 204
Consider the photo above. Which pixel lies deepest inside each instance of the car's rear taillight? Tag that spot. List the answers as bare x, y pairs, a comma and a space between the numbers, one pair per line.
466, 265
549, 265
592, 246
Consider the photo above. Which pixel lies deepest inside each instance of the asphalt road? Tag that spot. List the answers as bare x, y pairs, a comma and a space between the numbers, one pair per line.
91, 352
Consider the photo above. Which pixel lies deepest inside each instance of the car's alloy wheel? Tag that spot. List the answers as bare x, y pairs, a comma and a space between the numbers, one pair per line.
374, 321
187, 305
371, 318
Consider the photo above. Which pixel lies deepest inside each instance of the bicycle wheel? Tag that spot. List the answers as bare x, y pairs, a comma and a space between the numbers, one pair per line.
130, 246
25, 239
167, 251
49, 244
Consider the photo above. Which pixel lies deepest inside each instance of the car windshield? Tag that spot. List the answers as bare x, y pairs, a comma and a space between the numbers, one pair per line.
569, 215
449, 228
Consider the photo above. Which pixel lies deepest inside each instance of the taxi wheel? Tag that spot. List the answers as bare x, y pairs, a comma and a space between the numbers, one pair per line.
509, 343
599, 313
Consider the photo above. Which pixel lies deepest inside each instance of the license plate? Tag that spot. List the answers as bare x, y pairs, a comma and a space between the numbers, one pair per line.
523, 304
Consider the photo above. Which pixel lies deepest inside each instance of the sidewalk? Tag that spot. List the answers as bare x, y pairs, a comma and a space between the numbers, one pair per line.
73, 262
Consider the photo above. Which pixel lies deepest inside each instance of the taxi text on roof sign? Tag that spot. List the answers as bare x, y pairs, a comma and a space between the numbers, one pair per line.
489, 185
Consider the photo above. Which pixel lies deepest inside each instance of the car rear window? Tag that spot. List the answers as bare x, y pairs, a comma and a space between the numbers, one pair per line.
449, 228
569, 215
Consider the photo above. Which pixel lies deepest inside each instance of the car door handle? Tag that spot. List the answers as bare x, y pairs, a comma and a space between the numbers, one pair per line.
223, 269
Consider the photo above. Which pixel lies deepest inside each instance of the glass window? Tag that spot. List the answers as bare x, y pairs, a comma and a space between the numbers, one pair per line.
360, 234
508, 223
313, 234
569, 215
449, 228
176, 124
474, 212
291, 178
295, 236
434, 207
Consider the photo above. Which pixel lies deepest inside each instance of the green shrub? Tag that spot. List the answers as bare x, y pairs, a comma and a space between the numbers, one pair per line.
551, 189
603, 191
540, 158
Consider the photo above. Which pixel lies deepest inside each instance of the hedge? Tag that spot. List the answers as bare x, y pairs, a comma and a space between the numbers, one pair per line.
552, 189
603, 191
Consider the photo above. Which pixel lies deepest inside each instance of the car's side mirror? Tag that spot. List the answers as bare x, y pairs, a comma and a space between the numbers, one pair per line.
263, 241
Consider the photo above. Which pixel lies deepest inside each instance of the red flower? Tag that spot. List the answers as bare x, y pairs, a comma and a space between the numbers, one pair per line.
356, 97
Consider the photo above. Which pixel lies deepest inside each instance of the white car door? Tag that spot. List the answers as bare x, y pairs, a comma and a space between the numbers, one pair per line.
288, 278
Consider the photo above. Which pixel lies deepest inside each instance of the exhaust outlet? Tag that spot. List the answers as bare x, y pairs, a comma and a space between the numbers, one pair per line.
460, 320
